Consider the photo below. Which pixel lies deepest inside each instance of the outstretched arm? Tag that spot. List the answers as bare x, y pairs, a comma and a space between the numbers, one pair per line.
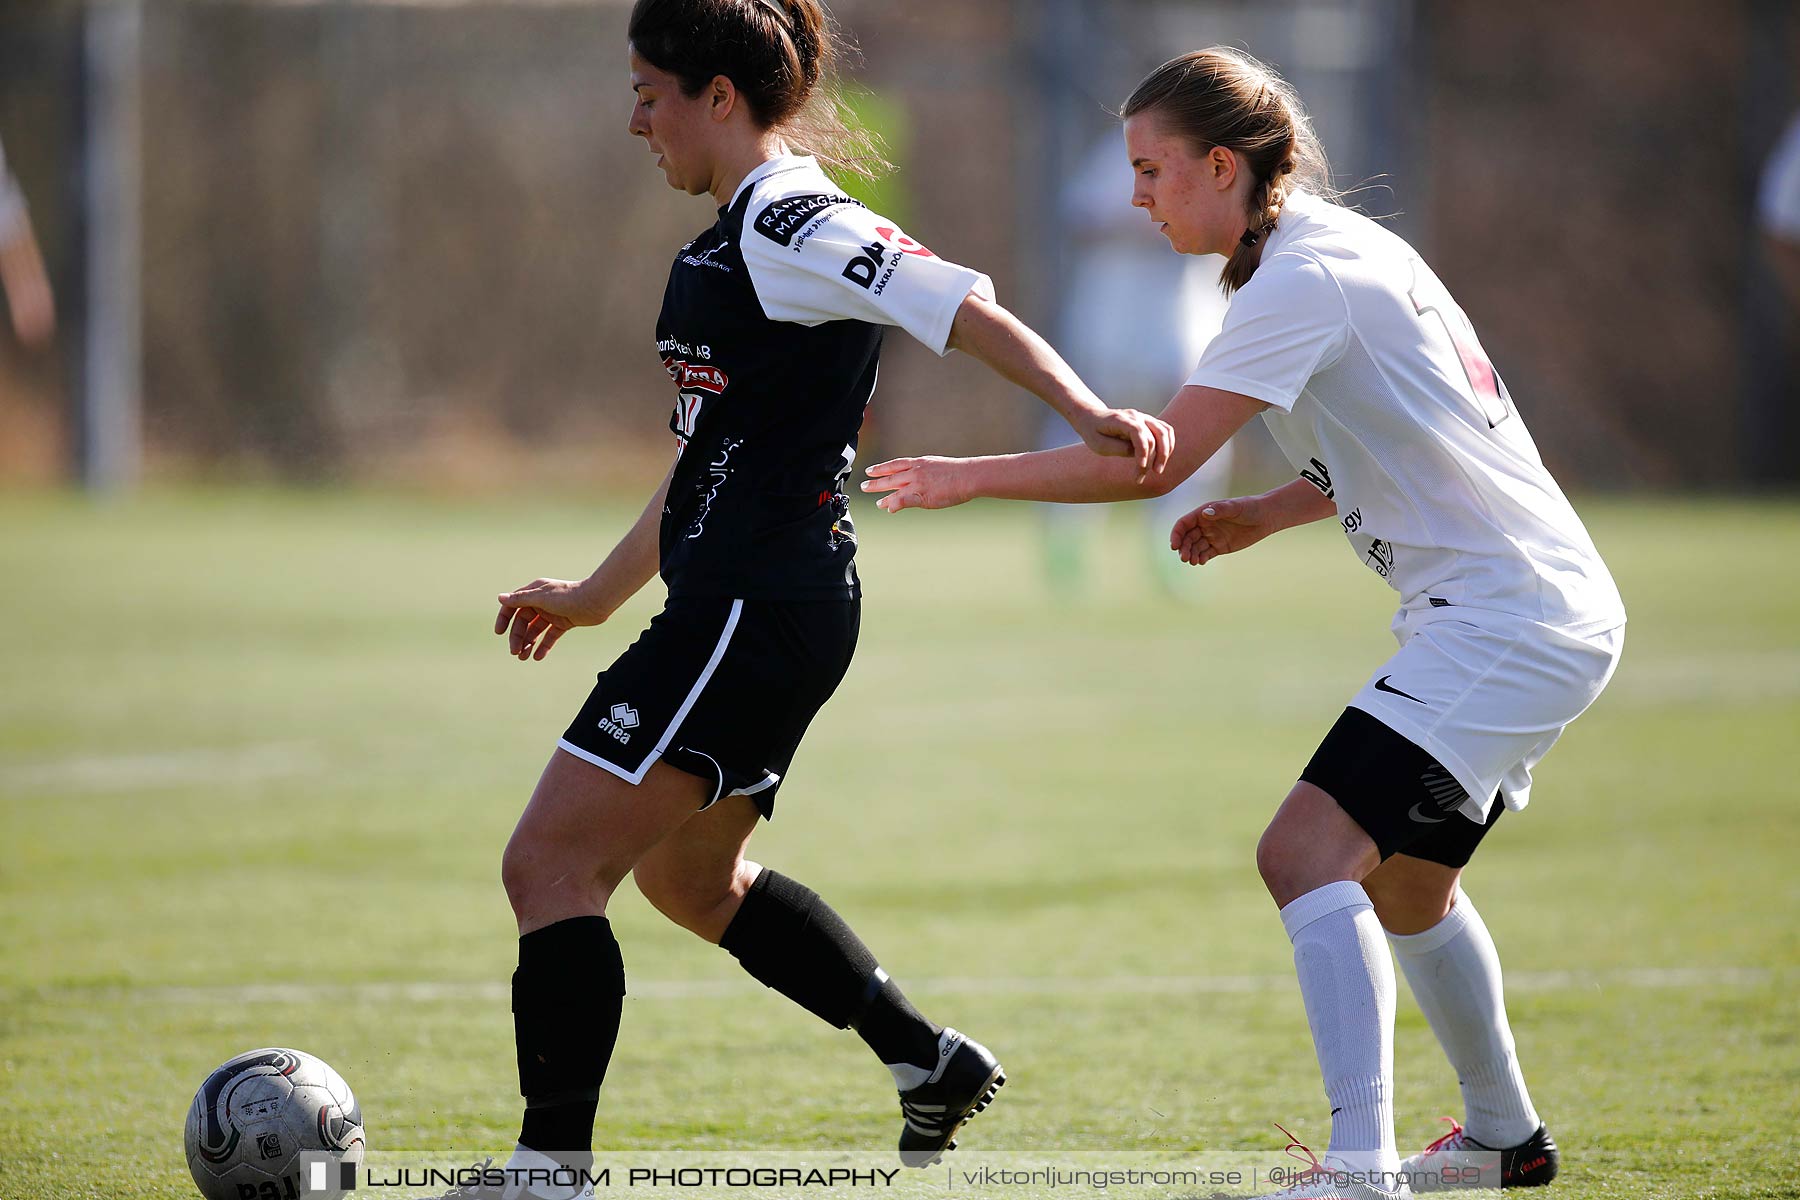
890, 279
987, 331
1202, 418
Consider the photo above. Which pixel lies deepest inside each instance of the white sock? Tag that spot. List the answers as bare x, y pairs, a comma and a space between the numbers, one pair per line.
1347, 981
552, 1181
906, 1076
1454, 973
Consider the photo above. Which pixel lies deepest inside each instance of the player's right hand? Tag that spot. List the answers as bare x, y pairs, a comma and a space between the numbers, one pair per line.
535, 616
1126, 432
1221, 527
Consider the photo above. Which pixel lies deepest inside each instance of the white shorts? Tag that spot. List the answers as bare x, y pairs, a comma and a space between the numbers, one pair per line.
1487, 695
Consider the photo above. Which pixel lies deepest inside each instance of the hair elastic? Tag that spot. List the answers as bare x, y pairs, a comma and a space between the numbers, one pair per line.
1251, 237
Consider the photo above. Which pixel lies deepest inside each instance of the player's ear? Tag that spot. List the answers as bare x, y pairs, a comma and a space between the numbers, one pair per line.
723, 97
1222, 167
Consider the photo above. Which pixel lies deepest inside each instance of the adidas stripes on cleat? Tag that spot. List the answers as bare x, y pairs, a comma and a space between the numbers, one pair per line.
1532, 1163
964, 1083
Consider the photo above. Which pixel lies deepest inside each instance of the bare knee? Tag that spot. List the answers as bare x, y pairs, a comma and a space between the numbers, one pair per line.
1289, 863
545, 883
517, 875
701, 902
1310, 843
1274, 861
582, 831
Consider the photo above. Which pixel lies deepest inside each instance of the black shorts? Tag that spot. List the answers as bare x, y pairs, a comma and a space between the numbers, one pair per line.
719, 688
1402, 797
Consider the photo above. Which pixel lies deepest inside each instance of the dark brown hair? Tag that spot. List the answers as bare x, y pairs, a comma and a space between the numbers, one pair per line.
782, 57
1223, 97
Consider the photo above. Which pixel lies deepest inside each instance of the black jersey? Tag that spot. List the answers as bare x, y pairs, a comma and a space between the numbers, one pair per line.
771, 329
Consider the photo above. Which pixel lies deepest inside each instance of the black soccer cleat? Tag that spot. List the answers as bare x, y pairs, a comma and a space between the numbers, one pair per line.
1531, 1163
964, 1083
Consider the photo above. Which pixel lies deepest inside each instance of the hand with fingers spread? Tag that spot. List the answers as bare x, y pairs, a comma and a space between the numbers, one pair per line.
930, 482
1222, 527
535, 616
1128, 433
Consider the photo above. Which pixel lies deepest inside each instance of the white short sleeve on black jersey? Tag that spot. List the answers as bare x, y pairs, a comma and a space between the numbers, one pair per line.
1284, 326
816, 255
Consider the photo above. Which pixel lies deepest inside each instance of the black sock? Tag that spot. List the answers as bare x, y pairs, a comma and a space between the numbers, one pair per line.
790, 940
568, 994
562, 1130
895, 1029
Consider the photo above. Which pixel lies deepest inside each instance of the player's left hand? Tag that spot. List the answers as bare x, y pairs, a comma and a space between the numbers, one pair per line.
1126, 432
533, 617
929, 482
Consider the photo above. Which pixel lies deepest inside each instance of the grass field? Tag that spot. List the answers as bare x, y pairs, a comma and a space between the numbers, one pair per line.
259, 754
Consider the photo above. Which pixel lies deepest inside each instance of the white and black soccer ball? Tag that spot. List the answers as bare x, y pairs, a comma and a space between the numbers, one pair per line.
254, 1117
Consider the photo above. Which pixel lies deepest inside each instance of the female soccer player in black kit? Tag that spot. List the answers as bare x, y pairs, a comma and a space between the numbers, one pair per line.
771, 327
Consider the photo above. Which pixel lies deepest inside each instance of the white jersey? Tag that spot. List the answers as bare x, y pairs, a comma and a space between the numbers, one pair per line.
1382, 398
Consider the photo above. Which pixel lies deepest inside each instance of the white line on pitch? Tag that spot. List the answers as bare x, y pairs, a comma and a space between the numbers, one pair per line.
1627, 978
126, 772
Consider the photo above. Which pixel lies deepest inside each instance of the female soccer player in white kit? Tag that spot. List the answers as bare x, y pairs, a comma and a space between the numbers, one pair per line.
1373, 383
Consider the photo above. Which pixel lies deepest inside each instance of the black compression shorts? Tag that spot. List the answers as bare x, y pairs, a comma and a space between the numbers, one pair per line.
1402, 797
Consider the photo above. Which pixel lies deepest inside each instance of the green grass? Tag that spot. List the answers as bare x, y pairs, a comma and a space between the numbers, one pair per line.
258, 753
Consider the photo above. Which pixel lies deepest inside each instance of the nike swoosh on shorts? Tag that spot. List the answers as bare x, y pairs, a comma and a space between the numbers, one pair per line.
1381, 685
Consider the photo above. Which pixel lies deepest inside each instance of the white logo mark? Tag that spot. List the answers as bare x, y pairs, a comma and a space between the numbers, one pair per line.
623, 718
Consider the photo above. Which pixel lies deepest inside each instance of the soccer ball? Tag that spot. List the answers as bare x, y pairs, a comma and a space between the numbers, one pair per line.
255, 1116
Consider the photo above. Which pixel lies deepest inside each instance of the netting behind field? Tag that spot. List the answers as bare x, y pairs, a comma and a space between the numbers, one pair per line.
414, 238
417, 239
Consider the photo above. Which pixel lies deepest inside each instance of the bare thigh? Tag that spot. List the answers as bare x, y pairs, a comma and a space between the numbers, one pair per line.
1411, 894
1310, 843
697, 875
583, 830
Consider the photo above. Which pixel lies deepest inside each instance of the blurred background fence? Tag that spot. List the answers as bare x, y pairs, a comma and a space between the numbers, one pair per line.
412, 241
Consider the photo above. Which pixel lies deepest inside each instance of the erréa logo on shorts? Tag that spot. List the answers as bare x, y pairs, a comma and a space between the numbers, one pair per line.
620, 722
